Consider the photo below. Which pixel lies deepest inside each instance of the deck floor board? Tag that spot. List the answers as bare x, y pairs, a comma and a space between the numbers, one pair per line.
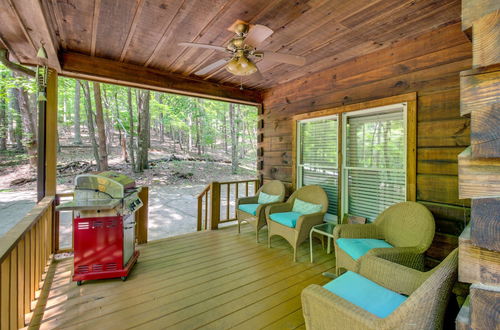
212, 280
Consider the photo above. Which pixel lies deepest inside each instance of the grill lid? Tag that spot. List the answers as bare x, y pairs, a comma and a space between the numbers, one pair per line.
108, 183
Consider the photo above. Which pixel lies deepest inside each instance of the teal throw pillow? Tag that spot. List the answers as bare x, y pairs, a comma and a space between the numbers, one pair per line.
305, 208
266, 198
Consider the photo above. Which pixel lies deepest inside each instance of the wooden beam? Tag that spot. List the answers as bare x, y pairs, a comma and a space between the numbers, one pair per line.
109, 71
472, 10
485, 40
484, 306
485, 231
478, 177
51, 135
476, 264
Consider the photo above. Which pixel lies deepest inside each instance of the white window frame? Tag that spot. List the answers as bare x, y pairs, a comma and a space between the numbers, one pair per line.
299, 166
344, 208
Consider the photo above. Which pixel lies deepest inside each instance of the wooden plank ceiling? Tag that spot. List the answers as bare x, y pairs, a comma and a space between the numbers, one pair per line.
146, 32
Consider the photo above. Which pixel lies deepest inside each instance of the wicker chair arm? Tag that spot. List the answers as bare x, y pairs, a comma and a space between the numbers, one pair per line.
325, 310
357, 231
391, 275
262, 207
278, 208
247, 200
407, 256
309, 220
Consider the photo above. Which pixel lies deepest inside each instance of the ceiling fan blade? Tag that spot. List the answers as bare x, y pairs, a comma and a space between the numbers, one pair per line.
193, 44
285, 58
258, 75
211, 67
257, 34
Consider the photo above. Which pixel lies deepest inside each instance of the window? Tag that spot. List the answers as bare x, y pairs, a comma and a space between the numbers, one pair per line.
374, 168
317, 157
364, 159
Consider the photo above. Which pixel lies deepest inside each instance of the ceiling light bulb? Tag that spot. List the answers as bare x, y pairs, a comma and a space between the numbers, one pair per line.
233, 65
244, 62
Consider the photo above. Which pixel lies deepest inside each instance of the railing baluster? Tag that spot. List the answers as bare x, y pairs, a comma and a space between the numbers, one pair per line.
228, 200
20, 283
246, 189
4, 293
27, 273
206, 210
236, 196
13, 289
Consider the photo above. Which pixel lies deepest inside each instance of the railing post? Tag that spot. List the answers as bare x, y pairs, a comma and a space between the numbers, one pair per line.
199, 214
214, 205
256, 186
142, 214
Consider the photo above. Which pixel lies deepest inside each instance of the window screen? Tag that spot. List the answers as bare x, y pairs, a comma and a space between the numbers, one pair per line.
375, 166
317, 157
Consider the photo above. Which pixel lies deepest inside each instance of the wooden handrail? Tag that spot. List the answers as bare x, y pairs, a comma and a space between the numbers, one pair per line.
25, 251
210, 202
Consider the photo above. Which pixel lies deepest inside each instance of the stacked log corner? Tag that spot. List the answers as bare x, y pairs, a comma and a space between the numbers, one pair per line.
479, 168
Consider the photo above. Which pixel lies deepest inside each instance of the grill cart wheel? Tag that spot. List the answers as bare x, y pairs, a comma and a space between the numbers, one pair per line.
79, 283
124, 278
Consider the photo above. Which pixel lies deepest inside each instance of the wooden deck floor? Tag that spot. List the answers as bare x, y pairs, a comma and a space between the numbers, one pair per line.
214, 279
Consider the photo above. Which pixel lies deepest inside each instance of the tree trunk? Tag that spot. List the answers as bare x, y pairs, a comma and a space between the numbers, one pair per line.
143, 98
101, 130
29, 121
3, 118
78, 137
190, 135
198, 126
234, 140
90, 122
17, 120
131, 128
225, 132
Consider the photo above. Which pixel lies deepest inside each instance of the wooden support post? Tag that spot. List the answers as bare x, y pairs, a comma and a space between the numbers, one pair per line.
214, 205
142, 217
51, 135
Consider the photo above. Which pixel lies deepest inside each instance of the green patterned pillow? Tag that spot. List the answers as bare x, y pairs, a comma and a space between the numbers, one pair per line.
305, 208
266, 198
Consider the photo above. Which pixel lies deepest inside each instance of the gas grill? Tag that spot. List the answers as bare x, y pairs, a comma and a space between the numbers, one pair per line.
104, 225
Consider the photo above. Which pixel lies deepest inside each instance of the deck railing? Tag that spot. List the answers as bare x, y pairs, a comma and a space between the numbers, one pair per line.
217, 202
25, 251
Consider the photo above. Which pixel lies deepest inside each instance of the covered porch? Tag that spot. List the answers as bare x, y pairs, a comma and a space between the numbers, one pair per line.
432, 63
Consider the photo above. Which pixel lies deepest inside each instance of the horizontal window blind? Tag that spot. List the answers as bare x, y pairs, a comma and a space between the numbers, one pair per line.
318, 159
375, 163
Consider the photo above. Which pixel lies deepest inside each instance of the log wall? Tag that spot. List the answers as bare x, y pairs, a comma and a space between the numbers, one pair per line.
429, 65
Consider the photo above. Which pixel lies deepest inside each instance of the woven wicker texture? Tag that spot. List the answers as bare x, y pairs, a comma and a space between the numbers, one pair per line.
258, 221
295, 236
407, 226
428, 292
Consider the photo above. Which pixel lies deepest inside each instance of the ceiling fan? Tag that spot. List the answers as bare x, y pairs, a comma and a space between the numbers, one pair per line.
242, 51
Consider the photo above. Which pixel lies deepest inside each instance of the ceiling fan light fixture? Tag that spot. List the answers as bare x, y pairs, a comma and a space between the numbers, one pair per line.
241, 29
241, 66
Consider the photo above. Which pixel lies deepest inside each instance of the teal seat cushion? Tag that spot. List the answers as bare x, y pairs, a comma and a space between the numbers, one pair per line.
249, 208
365, 294
267, 198
357, 247
305, 208
288, 219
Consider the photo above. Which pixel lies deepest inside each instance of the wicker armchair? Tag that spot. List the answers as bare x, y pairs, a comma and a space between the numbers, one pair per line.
295, 236
428, 294
258, 220
409, 227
